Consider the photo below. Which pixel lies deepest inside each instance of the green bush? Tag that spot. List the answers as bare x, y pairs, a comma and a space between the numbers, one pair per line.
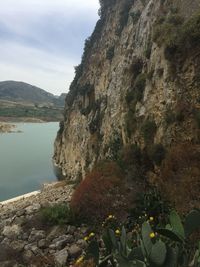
176, 35
148, 130
139, 86
170, 117
150, 74
151, 203
135, 16
115, 146
86, 89
148, 50
136, 94
57, 214
124, 15
110, 53
157, 153
136, 66
197, 118
190, 32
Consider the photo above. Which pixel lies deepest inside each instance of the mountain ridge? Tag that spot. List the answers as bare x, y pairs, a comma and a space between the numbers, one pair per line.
19, 91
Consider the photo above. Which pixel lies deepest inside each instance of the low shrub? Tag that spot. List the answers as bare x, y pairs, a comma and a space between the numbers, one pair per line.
135, 163
157, 153
131, 154
124, 15
151, 204
135, 16
136, 66
110, 53
136, 93
180, 172
57, 214
131, 121
114, 147
99, 194
148, 130
177, 36
148, 49
170, 117
139, 86
179, 113
197, 118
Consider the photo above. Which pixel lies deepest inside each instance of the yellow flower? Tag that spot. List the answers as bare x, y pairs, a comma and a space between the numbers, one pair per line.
117, 232
151, 219
80, 260
152, 235
91, 234
110, 216
86, 238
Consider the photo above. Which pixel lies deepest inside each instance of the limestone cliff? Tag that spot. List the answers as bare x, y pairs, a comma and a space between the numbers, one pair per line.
138, 83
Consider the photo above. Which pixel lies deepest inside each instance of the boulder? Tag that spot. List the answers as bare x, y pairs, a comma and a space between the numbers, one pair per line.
61, 258
12, 232
74, 251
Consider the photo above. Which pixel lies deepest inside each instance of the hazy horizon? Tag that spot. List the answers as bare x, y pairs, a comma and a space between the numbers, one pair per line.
42, 41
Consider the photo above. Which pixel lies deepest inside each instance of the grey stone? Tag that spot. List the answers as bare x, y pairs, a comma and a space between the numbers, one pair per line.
20, 212
17, 245
74, 251
27, 255
43, 243
56, 231
82, 243
32, 208
61, 258
61, 241
71, 229
12, 231
36, 235
8, 263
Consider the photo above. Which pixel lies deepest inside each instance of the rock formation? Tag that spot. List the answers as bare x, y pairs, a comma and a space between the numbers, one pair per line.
138, 83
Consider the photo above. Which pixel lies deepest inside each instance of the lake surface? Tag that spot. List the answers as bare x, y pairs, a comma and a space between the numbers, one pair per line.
25, 158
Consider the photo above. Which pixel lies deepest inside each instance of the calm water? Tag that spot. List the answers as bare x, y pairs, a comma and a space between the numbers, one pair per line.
25, 158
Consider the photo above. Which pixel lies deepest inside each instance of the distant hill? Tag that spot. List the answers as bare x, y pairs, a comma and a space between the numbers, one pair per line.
26, 93
20, 101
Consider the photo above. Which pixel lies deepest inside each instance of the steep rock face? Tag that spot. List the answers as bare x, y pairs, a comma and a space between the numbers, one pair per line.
137, 84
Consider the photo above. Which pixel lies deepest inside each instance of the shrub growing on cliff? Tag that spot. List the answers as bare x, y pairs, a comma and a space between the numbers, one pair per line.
180, 171
110, 53
124, 15
57, 214
177, 36
139, 86
135, 16
197, 117
157, 153
148, 130
99, 194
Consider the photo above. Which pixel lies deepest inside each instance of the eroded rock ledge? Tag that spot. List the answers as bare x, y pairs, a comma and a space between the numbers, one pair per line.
26, 241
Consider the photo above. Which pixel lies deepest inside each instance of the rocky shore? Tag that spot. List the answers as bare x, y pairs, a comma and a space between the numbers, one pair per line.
7, 127
26, 240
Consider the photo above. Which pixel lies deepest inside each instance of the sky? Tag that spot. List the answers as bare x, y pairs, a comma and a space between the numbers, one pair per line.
42, 40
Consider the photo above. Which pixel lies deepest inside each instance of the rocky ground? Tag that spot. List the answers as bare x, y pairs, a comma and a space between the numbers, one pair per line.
26, 240
7, 127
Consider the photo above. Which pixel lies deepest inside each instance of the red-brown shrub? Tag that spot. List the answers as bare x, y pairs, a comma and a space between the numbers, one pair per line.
100, 193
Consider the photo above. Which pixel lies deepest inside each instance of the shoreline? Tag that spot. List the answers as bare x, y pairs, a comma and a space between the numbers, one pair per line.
22, 197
